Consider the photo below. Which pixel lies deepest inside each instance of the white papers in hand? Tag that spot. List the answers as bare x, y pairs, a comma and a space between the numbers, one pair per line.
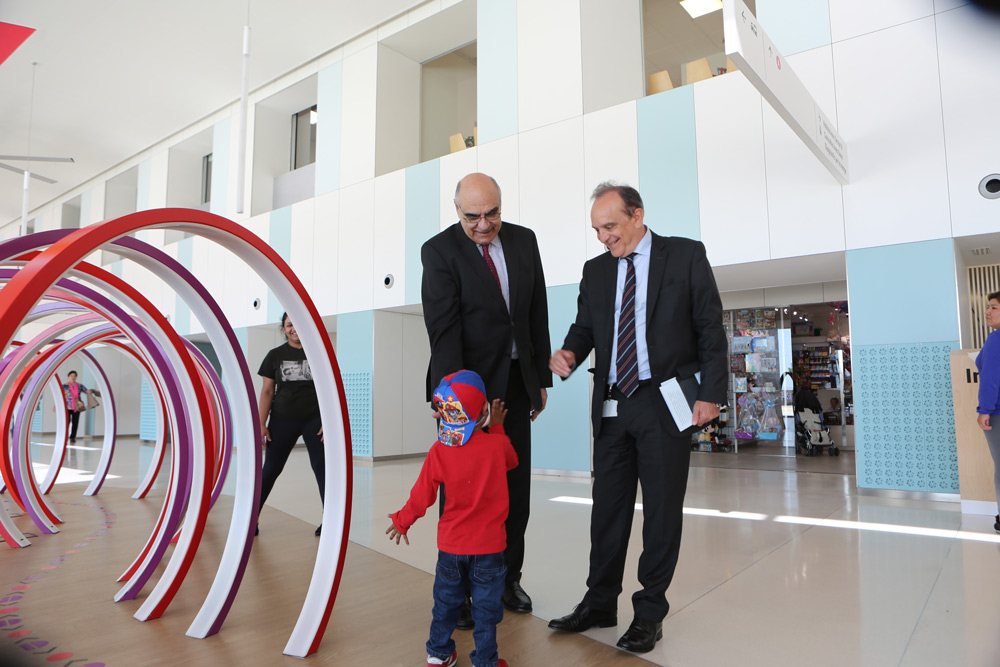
680, 406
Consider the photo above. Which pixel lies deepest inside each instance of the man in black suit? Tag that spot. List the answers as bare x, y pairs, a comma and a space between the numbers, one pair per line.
651, 311
485, 309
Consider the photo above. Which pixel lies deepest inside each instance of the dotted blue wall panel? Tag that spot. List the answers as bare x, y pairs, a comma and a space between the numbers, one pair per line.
904, 424
147, 414
358, 387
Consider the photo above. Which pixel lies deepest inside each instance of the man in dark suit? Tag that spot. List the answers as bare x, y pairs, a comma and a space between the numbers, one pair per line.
651, 311
485, 309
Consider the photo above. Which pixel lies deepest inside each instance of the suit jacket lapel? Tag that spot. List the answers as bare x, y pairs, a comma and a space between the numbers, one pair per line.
609, 286
512, 258
657, 264
472, 254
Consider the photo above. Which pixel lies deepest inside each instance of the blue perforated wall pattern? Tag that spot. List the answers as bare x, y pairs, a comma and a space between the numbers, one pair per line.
148, 423
903, 417
358, 387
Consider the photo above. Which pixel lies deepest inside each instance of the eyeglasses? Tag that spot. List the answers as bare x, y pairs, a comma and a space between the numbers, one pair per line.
493, 215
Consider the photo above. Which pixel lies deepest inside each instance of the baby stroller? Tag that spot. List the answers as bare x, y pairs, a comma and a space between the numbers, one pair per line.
811, 436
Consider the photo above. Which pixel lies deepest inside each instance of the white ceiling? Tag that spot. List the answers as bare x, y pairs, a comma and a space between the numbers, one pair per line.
116, 76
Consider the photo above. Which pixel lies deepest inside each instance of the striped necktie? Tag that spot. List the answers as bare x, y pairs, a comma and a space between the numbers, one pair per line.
628, 359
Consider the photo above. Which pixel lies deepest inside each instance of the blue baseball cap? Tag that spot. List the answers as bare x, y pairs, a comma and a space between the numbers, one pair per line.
459, 399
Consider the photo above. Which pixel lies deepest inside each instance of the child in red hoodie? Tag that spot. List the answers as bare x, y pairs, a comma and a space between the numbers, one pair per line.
472, 463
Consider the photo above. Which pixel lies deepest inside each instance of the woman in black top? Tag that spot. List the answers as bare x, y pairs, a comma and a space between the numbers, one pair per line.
288, 397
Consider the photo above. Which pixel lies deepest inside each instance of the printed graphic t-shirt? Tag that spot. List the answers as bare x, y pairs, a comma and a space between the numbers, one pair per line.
294, 392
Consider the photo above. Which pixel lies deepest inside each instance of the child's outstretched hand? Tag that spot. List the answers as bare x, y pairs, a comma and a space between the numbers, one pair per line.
497, 412
395, 534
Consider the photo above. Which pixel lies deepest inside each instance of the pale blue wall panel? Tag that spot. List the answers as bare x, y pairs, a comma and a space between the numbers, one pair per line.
668, 162
903, 293
561, 434
795, 25
496, 69
355, 350
904, 324
423, 206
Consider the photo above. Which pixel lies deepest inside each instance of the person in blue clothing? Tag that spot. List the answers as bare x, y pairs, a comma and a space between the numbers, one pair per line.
988, 363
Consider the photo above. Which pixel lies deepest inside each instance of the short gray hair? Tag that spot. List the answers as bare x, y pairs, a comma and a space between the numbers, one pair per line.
458, 186
629, 195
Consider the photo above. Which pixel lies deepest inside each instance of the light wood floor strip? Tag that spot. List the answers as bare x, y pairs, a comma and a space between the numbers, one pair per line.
381, 616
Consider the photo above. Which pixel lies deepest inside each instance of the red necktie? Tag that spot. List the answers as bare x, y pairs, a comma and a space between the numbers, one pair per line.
489, 263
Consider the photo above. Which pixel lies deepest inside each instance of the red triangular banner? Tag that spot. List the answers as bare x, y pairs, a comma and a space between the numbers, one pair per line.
11, 37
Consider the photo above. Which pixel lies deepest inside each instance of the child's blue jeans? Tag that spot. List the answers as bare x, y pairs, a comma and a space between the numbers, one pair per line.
485, 575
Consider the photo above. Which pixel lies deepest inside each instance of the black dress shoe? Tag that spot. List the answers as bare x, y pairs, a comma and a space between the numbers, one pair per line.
583, 618
515, 599
641, 636
465, 621
319, 530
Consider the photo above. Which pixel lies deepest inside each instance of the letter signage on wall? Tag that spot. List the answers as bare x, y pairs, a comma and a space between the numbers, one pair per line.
756, 56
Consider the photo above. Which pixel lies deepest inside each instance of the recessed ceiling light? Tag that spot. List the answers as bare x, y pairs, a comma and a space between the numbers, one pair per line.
698, 8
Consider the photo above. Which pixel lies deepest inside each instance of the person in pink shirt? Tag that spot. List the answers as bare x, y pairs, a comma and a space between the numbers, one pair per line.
75, 402
472, 462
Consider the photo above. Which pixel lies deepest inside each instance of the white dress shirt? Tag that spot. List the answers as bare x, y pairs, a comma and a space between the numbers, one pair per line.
641, 264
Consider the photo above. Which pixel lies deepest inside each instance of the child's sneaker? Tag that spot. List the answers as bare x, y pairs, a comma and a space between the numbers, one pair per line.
501, 663
452, 659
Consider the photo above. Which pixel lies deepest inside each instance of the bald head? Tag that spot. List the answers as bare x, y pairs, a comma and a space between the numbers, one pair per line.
477, 202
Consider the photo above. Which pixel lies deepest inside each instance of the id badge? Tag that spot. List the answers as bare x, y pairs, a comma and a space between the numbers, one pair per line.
610, 408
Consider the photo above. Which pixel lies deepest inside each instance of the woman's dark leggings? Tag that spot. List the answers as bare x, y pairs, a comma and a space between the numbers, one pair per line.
74, 421
284, 434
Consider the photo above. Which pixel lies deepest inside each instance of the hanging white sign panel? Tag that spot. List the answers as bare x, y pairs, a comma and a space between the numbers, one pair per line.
756, 56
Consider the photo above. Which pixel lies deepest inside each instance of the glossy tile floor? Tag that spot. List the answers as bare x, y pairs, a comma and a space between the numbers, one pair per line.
777, 567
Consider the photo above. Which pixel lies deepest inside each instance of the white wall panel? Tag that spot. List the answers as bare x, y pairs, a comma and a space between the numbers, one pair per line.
255, 288
552, 179
207, 269
850, 18
158, 181
453, 167
235, 296
815, 69
793, 294
397, 134
499, 159
390, 240
945, 5
805, 205
749, 298
355, 253
387, 395
420, 431
968, 50
303, 242
357, 139
895, 140
611, 37
610, 153
549, 62
835, 291
326, 253
731, 186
